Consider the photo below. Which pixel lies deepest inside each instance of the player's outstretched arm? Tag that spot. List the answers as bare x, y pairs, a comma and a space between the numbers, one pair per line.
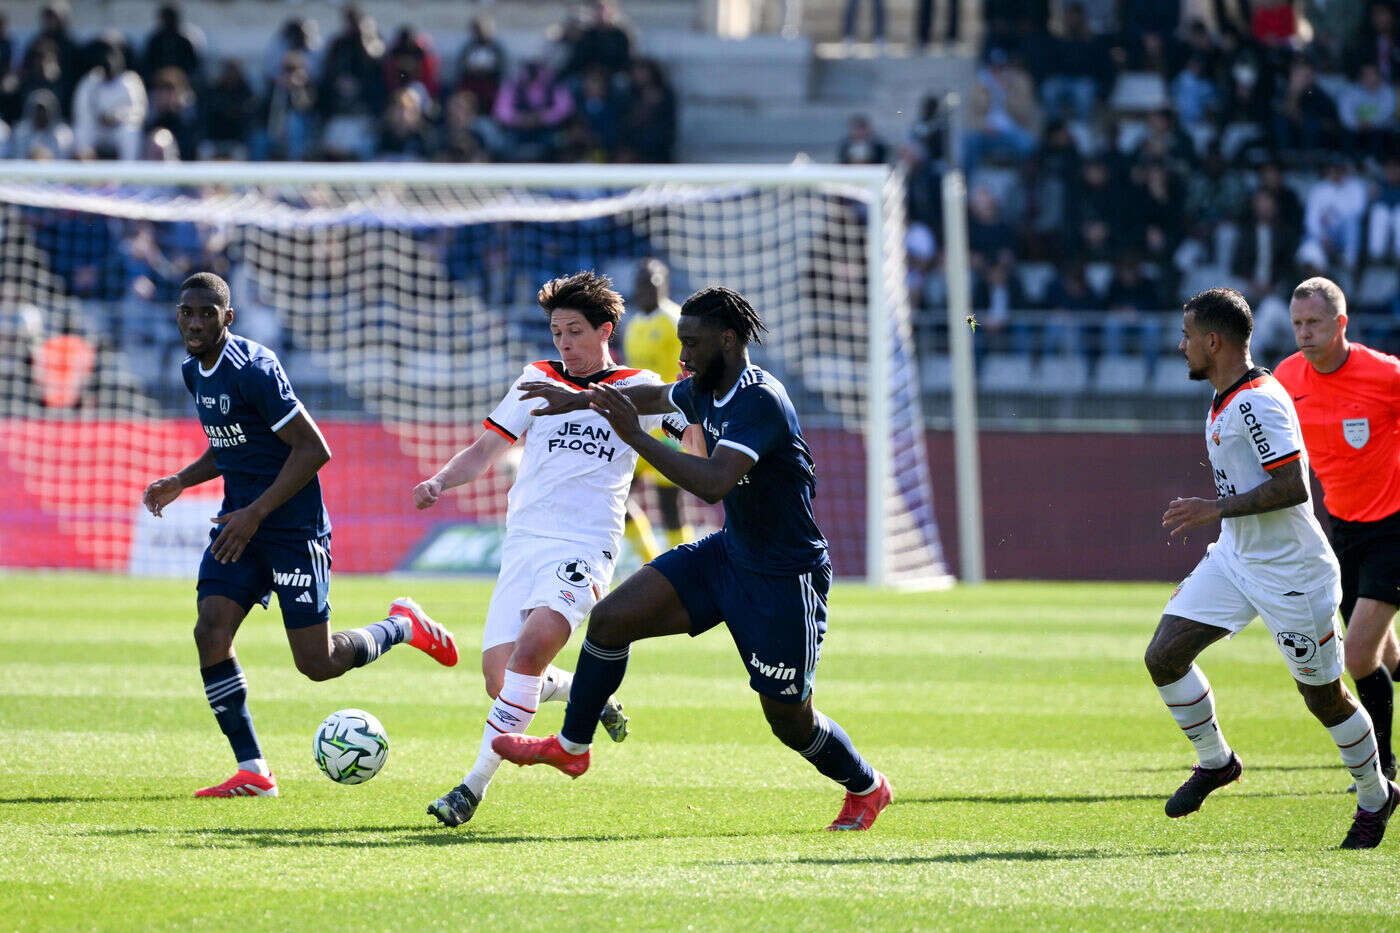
167, 489
309, 453
465, 466
559, 398
1285, 487
710, 478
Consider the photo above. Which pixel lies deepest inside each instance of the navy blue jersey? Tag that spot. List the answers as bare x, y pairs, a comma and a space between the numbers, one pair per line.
242, 402
769, 526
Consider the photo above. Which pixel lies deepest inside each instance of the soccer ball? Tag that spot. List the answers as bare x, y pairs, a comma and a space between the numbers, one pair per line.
350, 746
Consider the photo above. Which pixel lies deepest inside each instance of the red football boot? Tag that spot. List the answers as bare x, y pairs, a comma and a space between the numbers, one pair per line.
242, 784
528, 750
428, 637
860, 810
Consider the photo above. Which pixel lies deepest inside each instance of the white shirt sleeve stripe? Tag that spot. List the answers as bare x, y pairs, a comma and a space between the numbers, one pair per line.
292, 414
747, 451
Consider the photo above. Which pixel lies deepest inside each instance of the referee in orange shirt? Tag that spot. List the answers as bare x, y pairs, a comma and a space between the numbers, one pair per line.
1348, 401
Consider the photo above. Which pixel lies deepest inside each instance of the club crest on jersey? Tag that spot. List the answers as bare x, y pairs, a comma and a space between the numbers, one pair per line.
1215, 436
225, 403
1298, 647
1357, 431
574, 572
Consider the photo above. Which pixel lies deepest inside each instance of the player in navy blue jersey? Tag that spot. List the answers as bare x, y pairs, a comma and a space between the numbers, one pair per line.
272, 533
765, 574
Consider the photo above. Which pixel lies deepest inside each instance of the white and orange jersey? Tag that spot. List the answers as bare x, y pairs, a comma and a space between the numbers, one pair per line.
1252, 430
575, 473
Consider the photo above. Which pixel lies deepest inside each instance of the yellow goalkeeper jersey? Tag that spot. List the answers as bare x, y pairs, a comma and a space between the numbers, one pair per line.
649, 341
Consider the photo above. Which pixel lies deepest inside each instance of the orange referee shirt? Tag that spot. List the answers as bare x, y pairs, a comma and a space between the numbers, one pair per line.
1351, 426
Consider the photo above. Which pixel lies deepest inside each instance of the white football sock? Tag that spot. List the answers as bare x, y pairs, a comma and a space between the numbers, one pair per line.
573, 748
255, 765
556, 686
1356, 740
1192, 705
512, 711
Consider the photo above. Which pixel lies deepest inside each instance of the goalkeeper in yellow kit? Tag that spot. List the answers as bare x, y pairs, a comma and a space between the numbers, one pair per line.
650, 342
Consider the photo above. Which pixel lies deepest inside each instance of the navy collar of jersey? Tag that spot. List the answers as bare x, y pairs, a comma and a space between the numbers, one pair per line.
1254, 372
581, 381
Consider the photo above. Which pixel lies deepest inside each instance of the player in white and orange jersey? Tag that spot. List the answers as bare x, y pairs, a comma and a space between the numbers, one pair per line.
1271, 561
563, 523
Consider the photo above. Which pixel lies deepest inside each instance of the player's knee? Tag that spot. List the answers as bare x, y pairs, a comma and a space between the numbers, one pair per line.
530, 656
792, 728
606, 626
1360, 658
1164, 667
211, 634
1329, 703
315, 668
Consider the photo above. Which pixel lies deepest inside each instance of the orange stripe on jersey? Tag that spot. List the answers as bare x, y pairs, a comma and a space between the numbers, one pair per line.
551, 373
1275, 464
1251, 384
621, 374
1327, 639
493, 426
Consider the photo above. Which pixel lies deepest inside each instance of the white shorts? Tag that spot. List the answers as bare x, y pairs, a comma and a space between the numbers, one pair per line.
568, 578
1304, 624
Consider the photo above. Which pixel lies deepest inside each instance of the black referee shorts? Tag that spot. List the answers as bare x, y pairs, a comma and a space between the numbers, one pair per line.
1369, 554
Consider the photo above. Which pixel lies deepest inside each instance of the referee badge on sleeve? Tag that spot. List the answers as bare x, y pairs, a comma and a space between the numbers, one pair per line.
1357, 431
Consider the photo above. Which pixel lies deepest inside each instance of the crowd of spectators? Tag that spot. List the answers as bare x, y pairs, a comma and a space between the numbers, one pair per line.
1120, 158
359, 96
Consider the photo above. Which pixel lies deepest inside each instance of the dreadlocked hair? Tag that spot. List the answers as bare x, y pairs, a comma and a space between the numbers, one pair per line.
727, 309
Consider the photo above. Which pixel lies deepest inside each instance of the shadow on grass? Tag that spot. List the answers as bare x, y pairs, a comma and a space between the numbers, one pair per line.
964, 858
1248, 768
94, 798
388, 836
1074, 798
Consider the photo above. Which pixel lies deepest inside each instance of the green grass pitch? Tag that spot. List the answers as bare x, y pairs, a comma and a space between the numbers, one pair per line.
1029, 754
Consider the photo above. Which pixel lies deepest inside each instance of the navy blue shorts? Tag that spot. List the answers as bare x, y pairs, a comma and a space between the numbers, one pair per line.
297, 569
778, 622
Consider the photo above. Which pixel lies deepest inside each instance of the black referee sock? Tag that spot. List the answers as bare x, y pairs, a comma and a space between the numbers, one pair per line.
1376, 691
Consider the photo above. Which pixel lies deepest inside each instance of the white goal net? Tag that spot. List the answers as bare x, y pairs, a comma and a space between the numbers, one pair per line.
401, 300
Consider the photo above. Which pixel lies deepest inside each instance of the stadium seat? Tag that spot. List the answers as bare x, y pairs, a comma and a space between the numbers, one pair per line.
1236, 136
1098, 275
936, 374
1120, 375
1202, 135
1035, 279
1227, 235
1169, 378
1006, 372
145, 362
1066, 374
1379, 286
1138, 92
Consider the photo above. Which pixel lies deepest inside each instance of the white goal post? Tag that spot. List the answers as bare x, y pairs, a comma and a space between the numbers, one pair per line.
353, 260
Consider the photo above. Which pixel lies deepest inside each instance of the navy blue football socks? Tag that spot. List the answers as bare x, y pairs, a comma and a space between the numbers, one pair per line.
376, 638
227, 691
598, 675
832, 753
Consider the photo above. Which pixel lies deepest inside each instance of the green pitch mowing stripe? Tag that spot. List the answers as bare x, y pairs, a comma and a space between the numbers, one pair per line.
1029, 753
